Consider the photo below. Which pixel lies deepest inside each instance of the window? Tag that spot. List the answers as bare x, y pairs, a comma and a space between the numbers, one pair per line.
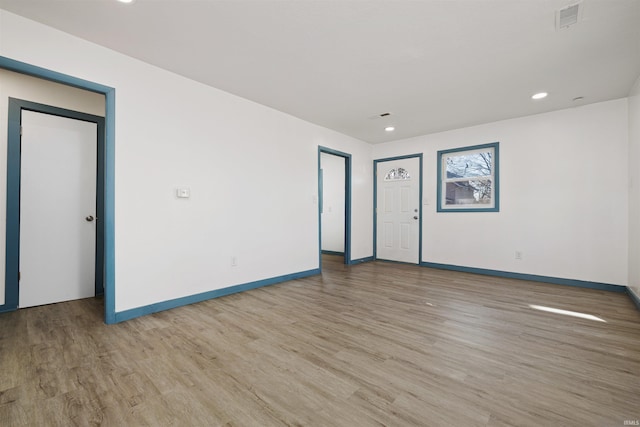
399, 174
468, 179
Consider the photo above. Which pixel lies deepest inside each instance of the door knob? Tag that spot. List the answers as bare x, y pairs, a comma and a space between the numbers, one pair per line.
89, 218
415, 217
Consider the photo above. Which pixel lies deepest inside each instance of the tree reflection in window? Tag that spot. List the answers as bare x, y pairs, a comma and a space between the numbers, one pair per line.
398, 174
468, 179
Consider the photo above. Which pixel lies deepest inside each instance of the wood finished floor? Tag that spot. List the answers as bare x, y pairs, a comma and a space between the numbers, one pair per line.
367, 345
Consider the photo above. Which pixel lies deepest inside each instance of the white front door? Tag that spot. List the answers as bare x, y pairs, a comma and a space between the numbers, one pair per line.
398, 210
57, 209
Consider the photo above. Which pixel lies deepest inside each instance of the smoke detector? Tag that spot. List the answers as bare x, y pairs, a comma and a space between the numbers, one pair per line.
568, 16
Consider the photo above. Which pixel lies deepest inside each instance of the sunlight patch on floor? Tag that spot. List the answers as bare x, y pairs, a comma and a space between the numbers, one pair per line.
567, 313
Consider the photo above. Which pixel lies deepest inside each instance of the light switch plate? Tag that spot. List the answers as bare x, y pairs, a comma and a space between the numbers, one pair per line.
183, 193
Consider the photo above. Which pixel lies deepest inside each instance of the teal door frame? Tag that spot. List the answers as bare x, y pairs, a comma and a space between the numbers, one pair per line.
14, 174
106, 200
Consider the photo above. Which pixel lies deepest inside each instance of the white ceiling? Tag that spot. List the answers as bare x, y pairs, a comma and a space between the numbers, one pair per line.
435, 65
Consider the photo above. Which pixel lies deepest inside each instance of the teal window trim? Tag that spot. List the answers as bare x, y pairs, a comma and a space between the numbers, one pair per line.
496, 178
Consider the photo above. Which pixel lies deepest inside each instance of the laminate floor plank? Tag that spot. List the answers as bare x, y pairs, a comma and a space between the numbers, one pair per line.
375, 344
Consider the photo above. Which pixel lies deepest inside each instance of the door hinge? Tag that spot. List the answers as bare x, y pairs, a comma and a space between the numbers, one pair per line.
18, 276
20, 130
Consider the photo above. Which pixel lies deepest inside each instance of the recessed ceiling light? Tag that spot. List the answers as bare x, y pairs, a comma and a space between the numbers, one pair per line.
125, 1
539, 95
390, 128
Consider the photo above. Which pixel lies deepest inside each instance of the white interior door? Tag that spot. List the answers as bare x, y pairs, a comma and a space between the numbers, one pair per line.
398, 210
57, 203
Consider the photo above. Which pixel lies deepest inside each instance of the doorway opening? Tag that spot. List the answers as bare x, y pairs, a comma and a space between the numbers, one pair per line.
334, 204
106, 250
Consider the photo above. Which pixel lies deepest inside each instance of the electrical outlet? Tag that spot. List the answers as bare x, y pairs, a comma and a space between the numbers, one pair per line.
518, 255
234, 261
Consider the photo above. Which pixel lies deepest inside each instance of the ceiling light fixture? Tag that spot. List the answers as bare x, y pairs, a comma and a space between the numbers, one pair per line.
390, 128
539, 95
126, 1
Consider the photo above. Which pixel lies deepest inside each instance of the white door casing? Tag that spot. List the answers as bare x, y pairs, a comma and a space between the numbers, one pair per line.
398, 212
57, 194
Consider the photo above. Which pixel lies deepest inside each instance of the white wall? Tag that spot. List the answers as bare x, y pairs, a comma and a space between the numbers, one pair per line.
333, 213
634, 188
172, 132
563, 196
36, 90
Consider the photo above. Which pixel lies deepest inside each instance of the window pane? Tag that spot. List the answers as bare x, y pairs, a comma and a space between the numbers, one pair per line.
468, 179
397, 174
470, 192
469, 165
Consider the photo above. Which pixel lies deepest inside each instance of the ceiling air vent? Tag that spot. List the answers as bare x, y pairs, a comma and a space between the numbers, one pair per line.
380, 115
568, 16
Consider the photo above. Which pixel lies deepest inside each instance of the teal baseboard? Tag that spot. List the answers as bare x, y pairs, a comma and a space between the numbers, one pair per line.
5, 308
332, 253
121, 316
634, 297
531, 277
361, 260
